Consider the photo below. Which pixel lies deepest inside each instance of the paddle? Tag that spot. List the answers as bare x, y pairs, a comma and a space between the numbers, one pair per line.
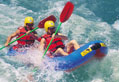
65, 14
40, 25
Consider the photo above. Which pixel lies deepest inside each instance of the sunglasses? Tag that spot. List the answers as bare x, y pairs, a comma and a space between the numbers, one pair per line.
51, 28
29, 24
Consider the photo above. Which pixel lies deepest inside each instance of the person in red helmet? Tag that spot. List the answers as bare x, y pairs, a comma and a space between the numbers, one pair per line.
57, 46
27, 40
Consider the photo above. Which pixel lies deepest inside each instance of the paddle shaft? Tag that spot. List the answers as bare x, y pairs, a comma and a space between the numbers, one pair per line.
52, 39
19, 37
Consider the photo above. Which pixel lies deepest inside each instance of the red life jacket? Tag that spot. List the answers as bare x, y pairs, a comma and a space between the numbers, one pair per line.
56, 43
24, 41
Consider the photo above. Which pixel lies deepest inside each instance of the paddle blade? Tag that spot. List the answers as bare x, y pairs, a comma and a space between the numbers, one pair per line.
66, 12
41, 23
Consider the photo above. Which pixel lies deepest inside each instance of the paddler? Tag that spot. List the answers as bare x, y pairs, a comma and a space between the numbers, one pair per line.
57, 46
27, 40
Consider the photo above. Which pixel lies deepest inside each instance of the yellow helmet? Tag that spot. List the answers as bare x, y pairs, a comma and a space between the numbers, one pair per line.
28, 20
49, 24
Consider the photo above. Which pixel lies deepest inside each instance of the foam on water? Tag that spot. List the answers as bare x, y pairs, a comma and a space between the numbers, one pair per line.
116, 25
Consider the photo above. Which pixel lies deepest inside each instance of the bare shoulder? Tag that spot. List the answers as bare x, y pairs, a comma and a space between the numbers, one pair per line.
60, 34
43, 40
17, 31
20, 27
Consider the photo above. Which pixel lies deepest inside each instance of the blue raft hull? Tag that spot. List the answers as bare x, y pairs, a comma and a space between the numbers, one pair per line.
74, 60
12, 52
81, 56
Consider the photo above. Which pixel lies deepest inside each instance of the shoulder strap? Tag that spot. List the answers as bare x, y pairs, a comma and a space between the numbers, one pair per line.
46, 36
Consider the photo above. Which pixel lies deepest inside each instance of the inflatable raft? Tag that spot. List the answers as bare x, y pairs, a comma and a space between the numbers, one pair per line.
12, 52
94, 49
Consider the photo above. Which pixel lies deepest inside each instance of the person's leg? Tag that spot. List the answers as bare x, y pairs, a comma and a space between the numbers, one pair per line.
61, 51
72, 44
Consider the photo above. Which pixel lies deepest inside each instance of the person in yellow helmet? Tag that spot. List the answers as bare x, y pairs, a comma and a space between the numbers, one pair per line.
57, 46
25, 41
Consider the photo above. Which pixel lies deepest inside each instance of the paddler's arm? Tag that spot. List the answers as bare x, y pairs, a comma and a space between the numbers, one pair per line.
35, 34
11, 36
61, 36
41, 47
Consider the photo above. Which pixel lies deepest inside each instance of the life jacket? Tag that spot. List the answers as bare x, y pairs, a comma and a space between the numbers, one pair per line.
24, 41
56, 43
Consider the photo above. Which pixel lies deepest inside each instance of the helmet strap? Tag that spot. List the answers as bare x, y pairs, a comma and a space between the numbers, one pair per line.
26, 28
